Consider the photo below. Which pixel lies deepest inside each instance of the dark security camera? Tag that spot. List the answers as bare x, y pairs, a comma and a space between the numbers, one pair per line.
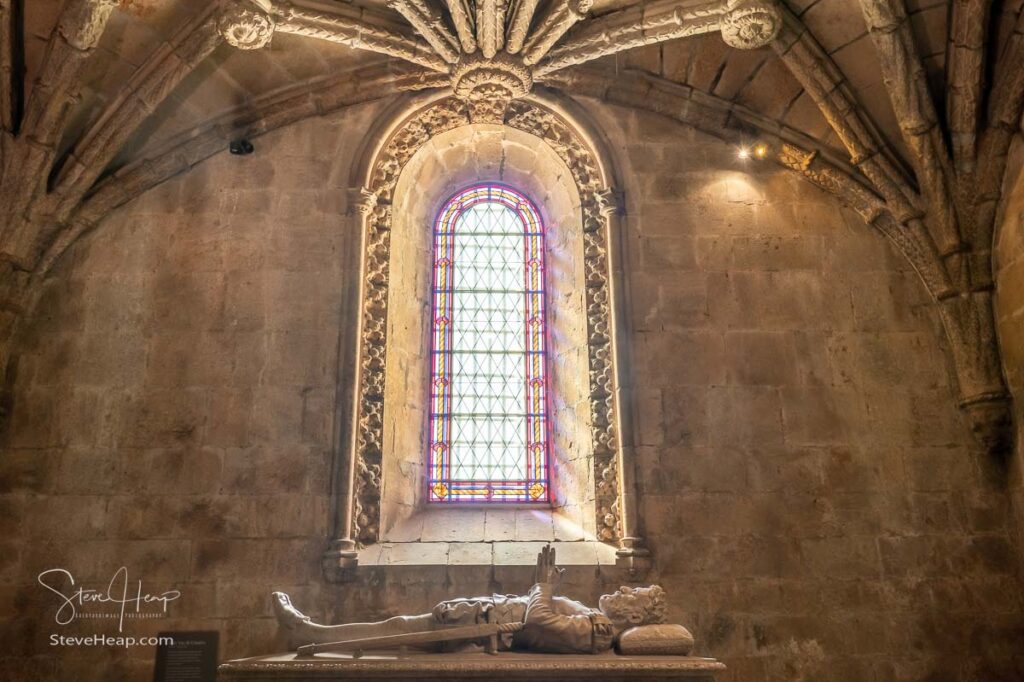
241, 147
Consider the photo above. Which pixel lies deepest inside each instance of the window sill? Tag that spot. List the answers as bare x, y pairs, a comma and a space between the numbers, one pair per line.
501, 553
486, 536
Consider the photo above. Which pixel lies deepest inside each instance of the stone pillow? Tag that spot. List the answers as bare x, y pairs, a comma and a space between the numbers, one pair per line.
656, 640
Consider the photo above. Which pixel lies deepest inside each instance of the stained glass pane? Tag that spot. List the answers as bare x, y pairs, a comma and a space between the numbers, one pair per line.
488, 407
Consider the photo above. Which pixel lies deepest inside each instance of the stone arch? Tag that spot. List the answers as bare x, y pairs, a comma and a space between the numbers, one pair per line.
359, 501
446, 164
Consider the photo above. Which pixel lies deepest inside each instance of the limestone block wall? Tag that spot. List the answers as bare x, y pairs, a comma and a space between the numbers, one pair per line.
1009, 309
806, 484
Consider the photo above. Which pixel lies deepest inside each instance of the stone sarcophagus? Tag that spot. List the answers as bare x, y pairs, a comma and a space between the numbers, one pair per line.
538, 636
511, 667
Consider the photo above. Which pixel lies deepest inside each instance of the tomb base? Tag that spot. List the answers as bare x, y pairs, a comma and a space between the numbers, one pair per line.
505, 666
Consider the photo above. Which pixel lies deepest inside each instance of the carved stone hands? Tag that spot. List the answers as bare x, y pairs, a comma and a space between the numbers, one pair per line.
547, 570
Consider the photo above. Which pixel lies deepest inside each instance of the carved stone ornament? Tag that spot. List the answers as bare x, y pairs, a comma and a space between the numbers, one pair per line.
444, 115
82, 23
488, 104
580, 8
247, 24
488, 85
749, 24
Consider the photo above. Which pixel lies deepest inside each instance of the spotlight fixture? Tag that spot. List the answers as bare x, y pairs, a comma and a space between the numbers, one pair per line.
743, 153
761, 150
241, 147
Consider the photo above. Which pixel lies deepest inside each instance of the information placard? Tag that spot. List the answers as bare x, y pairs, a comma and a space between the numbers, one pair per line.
191, 658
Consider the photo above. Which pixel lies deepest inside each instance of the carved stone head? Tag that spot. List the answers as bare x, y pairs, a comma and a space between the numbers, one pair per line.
631, 606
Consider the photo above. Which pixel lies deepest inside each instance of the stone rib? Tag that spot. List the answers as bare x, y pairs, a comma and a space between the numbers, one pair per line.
824, 83
490, 26
965, 76
10, 76
428, 23
463, 21
519, 27
1006, 105
338, 28
31, 157
560, 17
148, 87
635, 26
250, 121
907, 86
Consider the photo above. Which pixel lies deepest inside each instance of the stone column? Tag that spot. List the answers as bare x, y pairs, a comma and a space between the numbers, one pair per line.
631, 553
341, 556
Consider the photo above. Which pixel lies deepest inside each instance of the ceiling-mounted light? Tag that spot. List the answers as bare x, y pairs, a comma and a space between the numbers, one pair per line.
743, 153
761, 150
241, 147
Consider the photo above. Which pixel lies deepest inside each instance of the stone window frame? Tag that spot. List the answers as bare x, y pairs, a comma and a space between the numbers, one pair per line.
357, 461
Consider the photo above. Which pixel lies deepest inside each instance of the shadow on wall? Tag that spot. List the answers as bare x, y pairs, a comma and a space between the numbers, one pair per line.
1009, 311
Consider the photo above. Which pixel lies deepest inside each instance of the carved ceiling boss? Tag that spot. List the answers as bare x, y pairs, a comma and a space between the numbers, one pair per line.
492, 51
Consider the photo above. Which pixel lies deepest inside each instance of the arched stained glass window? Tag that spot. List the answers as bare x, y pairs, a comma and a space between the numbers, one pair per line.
488, 383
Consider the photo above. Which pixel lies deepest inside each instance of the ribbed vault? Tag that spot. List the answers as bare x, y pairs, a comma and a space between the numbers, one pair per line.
904, 108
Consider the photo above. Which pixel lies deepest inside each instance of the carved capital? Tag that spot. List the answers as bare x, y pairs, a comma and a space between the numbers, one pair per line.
362, 200
633, 556
749, 24
488, 104
340, 561
970, 329
991, 422
247, 24
609, 201
488, 85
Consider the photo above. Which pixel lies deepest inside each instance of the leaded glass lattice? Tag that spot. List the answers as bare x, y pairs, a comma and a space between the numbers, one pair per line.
488, 383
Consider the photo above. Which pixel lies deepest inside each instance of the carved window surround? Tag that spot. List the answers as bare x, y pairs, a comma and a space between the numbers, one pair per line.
359, 462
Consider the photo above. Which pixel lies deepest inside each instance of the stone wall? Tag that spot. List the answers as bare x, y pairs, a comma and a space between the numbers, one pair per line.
807, 485
1009, 311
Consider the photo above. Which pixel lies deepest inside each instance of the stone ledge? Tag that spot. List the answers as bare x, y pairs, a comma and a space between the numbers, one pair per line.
486, 536
498, 553
516, 667
489, 524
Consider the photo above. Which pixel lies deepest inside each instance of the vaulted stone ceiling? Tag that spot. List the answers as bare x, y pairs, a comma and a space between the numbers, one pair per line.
755, 79
904, 108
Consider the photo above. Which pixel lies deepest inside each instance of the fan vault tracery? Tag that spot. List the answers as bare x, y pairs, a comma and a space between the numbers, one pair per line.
502, 47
